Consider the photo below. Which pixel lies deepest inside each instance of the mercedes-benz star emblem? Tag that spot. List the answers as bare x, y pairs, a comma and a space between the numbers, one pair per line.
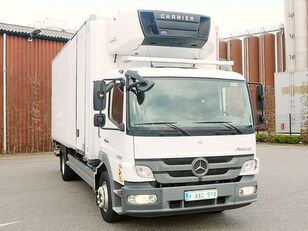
200, 167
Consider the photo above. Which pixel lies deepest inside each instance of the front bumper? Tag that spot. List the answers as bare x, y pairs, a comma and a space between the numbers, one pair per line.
170, 200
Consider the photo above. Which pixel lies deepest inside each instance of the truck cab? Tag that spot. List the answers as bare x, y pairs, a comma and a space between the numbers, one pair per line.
157, 129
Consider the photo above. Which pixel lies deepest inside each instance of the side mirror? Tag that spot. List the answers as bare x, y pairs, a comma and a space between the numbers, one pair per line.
99, 95
260, 97
99, 120
260, 104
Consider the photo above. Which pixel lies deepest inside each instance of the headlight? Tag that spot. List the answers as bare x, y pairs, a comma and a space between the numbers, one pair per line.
142, 199
144, 171
250, 167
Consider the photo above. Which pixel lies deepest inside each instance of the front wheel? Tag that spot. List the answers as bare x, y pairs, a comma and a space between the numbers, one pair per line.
104, 199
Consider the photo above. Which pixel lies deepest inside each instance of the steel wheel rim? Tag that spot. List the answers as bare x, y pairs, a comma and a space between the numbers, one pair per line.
103, 196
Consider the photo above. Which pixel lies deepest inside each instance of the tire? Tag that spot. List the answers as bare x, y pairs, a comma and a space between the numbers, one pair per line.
104, 199
66, 172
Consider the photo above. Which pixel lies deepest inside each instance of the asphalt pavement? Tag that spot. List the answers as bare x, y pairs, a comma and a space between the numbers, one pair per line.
34, 197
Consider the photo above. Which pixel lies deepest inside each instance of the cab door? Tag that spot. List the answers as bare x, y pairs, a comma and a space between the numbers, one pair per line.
113, 139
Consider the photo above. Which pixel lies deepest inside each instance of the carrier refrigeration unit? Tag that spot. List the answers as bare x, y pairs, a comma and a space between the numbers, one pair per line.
141, 113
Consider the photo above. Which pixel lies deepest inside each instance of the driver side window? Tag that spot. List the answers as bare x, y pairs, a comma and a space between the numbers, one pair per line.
116, 104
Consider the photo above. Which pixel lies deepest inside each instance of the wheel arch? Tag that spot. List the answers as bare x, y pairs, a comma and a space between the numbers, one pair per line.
104, 166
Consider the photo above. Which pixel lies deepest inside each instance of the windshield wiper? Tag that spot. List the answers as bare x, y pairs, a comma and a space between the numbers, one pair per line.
224, 123
169, 124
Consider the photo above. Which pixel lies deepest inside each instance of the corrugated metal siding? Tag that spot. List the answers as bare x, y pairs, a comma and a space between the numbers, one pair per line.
1, 92
267, 59
267, 70
251, 67
236, 54
223, 50
29, 93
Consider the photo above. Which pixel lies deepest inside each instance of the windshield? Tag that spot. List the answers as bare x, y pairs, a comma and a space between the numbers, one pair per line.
189, 106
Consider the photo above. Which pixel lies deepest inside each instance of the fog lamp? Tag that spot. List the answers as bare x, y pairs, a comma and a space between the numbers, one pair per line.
247, 191
142, 199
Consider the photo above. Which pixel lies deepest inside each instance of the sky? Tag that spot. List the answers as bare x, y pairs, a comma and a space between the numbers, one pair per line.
229, 15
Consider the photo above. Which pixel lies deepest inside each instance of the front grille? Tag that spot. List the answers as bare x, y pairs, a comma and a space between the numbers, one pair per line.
155, 184
218, 171
175, 204
211, 159
178, 171
187, 204
219, 200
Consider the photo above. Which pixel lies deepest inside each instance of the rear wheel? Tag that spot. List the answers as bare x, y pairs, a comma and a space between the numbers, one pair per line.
66, 172
104, 199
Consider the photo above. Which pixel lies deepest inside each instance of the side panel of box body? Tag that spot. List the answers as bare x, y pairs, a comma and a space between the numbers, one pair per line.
64, 95
81, 88
83, 60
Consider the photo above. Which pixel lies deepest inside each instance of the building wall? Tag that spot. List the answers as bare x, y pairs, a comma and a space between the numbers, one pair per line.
28, 94
296, 39
223, 55
1, 92
235, 54
251, 68
267, 60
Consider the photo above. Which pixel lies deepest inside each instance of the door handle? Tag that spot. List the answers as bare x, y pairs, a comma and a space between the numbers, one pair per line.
107, 141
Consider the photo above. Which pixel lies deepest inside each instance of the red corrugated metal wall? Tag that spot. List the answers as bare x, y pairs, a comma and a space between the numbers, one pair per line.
29, 93
235, 54
267, 70
267, 59
223, 50
1, 92
251, 67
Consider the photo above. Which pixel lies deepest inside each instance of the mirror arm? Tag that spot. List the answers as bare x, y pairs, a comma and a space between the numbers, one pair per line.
131, 86
109, 86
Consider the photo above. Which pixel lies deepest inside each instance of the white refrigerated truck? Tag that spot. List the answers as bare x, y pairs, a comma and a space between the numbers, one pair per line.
141, 112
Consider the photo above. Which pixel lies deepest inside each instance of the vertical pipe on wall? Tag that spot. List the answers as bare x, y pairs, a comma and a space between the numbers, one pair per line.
280, 51
276, 55
4, 94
